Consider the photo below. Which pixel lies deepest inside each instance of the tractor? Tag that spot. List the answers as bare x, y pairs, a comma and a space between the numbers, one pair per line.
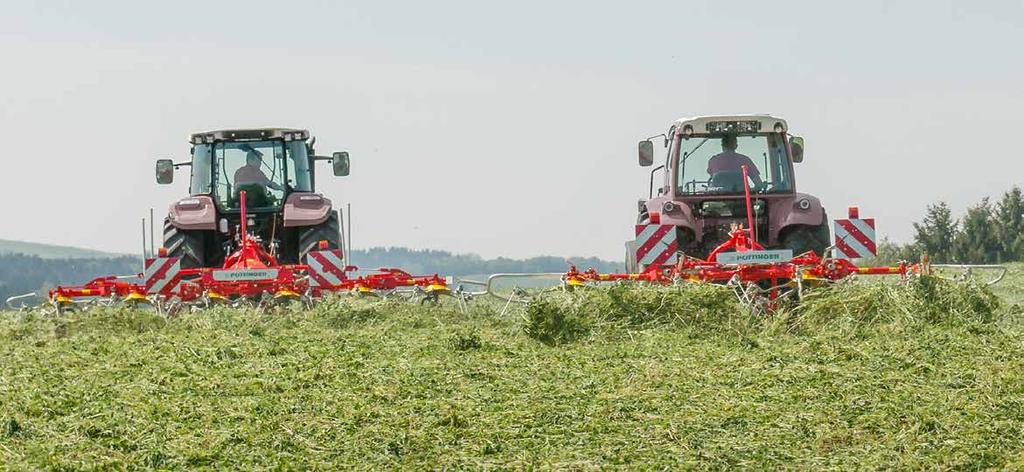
703, 190
275, 169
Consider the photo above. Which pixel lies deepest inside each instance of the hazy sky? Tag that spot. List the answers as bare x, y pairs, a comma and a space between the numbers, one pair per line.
501, 128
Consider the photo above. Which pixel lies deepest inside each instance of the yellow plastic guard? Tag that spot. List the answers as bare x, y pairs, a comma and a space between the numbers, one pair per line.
136, 297
437, 288
286, 294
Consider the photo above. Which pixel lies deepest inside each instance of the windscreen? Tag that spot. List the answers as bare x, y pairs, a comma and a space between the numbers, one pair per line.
714, 164
253, 166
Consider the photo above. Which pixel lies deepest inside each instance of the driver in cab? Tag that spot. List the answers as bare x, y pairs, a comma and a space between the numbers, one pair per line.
726, 168
251, 173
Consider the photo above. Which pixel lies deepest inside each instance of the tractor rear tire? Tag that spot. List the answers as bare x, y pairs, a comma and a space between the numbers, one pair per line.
188, 246
310, 237
808, 238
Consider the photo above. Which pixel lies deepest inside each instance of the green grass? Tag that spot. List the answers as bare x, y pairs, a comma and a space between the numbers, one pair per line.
859, 376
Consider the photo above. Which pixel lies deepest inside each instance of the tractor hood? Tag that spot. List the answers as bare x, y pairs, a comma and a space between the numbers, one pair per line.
197, 212
306, 209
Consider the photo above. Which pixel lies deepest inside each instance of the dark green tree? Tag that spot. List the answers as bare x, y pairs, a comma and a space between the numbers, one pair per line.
934, 235
1009, 225
976, 241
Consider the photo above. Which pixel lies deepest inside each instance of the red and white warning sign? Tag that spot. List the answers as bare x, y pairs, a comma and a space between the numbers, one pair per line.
855, 237
161, 275
327, 268
655, 244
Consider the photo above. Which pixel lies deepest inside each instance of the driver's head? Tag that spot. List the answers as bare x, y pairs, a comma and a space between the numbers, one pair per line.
253, 158
728, 142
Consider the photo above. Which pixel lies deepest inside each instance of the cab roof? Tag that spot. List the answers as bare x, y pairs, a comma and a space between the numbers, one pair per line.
718, 124
249, 134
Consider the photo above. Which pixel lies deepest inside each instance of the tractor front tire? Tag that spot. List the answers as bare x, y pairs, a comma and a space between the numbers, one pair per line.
310, 237
187, 246
808, 238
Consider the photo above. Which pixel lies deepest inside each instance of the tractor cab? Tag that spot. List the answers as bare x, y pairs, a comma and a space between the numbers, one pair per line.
709, 164
275, 168
269, 164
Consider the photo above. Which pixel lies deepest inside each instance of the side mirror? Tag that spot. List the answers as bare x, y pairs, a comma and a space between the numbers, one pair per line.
164, 171
646, 153
796, 143
341, 164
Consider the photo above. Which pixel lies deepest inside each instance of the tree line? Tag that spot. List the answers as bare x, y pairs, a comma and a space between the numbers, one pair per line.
988, 233
21, 273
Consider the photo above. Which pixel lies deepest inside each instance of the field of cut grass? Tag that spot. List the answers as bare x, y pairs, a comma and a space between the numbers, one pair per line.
928, 376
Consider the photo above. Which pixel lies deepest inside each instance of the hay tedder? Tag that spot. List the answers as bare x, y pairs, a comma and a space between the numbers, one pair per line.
762, 279
249, 276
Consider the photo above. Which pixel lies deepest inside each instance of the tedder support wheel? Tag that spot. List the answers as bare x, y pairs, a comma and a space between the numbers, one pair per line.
310, 237
188, 246
808, 238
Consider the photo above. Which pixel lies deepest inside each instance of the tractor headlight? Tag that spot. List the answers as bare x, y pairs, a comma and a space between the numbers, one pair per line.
669, 207
803, 204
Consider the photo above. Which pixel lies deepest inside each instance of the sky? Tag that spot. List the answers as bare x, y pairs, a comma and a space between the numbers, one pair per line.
500, 128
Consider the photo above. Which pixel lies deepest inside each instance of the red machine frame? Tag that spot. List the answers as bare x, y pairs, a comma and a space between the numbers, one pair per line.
250, 273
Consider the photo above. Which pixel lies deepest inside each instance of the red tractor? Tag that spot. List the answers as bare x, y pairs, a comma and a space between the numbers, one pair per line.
702, 193
275, 168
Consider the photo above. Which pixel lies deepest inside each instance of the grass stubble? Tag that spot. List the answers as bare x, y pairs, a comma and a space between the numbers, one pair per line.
861, 375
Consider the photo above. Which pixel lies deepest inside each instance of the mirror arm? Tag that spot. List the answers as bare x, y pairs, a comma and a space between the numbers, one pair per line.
650, 190
182, 164
323, 158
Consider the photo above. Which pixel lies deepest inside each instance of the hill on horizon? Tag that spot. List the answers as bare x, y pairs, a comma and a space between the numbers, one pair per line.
53, 251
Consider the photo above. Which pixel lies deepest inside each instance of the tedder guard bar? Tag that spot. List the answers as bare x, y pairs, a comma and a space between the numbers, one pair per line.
249, 274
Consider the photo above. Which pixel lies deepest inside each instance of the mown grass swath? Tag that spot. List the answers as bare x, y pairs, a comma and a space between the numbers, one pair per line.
924, 375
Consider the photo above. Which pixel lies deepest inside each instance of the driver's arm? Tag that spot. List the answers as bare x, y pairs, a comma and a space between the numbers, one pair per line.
752, 172
266, 182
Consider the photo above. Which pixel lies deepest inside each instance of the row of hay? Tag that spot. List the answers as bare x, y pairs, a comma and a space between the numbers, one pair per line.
848, 306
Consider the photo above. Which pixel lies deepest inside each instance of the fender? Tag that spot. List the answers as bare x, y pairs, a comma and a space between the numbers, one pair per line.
193, 213
812, 215
306, 209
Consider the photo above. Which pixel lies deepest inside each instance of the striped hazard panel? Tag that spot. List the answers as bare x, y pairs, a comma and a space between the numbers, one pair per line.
326, 268
161, 275
655, 244
855, 238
